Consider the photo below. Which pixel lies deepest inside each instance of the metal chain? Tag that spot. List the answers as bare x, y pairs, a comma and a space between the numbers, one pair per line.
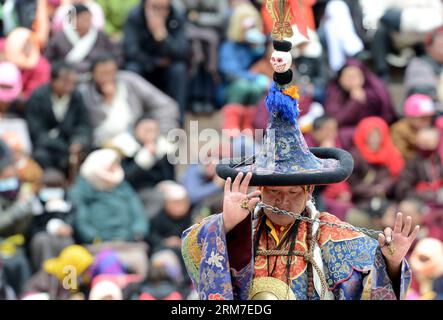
371, 233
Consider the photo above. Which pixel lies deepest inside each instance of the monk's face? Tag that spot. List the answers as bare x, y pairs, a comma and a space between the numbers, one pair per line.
292, 198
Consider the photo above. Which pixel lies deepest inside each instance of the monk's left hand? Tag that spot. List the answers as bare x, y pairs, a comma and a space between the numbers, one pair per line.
395, 243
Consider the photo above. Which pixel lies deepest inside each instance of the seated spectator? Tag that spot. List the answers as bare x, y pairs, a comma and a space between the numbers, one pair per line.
356, 93
146, 164
337, 197
79, 46
424, 74
17, 207
410, 19
8, 18
164, 282
175, 218
417, 210
51, 231
28, 170
155, 47
58, 120
243, 88
116, 13
62, 278
419, 111
205, 29
243, 146
205, 208
116, 99
109, 213
105, 290
121, 280
210, 14
342, 40
22, 50
324, 133
61, 14
423, 175
427, 266
377, 164
10, 90
201, 182
381, 214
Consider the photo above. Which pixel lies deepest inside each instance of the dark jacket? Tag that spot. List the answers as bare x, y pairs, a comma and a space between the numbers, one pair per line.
140, 178
59, 47
40, 221
75, 128
367, 178
164, 227
143, 51
417, 177
16, 216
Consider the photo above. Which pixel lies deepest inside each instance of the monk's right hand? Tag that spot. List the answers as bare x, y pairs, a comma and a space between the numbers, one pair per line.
235, 194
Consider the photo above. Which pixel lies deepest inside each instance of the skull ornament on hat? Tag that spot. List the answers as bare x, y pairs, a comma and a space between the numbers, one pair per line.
281, 61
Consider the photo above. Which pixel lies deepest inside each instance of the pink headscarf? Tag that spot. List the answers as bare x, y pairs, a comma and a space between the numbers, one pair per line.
10, 82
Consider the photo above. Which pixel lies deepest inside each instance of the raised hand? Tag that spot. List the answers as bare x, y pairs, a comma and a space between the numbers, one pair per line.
395, 243
236, 202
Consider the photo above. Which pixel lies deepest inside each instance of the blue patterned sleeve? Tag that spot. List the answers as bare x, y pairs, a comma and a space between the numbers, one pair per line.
380, 284
206, 259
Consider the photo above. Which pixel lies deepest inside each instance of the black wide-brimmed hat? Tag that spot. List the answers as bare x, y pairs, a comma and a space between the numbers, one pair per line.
285, 158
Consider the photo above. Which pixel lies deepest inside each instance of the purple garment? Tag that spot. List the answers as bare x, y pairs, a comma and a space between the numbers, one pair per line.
349, 112
107, 262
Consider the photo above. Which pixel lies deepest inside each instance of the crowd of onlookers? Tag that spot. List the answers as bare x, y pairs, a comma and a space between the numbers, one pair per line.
90, 206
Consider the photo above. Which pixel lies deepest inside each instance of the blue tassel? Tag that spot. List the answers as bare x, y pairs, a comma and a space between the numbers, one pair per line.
284, 105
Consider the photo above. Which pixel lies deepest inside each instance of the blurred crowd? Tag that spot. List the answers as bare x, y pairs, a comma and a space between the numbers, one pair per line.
90, 206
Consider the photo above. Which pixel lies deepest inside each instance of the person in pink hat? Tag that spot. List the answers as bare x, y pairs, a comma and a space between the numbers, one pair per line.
10, 86
419, 111
21, 48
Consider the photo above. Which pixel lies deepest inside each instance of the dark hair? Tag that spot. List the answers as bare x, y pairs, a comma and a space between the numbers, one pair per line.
102, 57
80, 8
378, 208
145, 116
320, 121
59, 66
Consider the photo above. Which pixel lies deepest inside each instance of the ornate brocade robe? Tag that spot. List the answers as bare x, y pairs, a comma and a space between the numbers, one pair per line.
222, 266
